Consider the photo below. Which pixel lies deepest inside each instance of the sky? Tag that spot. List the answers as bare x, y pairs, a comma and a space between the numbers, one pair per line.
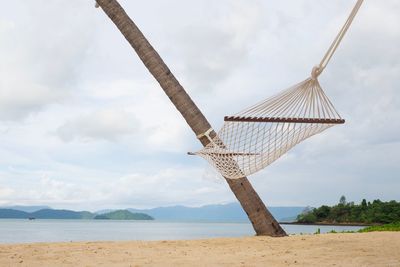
83, 125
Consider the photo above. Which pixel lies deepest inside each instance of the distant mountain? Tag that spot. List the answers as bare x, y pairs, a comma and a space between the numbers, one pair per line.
61, 214
26, 208
45, 214
69, 214
232, 212
104, 211
13, 214
86, 215
123, 215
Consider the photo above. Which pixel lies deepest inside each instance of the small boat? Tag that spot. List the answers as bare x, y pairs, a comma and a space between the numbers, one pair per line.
31, 218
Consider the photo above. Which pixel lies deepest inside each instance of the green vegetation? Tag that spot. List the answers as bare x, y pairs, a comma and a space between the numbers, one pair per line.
343, 232
379, 228
390, 227
377, 212
123, 215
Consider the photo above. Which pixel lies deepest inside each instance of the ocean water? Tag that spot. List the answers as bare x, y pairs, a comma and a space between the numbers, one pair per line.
26, 231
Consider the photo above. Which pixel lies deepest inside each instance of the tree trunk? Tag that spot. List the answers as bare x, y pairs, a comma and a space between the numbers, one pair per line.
263, 222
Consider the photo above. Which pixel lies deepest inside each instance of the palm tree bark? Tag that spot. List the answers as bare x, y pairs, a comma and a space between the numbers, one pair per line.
262, 220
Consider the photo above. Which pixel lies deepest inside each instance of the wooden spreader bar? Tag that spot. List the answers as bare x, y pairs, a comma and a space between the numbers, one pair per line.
277, 119
227, 153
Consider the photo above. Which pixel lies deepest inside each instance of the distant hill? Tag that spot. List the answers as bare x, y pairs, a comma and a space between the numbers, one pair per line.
232, 212
61, 214
123, 215
26, 208
13, 214
45, 214
69, 214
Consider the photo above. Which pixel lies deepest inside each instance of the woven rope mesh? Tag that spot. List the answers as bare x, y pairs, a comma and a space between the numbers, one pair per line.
254, 138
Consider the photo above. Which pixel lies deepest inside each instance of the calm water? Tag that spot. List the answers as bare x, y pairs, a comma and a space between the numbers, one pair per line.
25, 231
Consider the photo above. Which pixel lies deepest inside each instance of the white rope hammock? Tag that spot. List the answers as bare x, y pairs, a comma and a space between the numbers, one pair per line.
254, 138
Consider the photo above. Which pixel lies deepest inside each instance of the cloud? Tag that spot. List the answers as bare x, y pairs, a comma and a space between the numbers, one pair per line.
171, 186
160, 125
52, 191
106, 124
166, 187
6, 192
38, 64
210, 52
19, 98
78, 109
57, 191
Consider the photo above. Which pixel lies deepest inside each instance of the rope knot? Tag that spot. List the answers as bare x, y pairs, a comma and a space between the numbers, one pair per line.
206, 134
316, 71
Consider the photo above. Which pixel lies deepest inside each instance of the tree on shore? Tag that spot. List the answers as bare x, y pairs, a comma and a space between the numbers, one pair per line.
342, 200
375, 212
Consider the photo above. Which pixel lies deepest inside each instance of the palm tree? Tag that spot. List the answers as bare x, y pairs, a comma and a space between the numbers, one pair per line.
263, 222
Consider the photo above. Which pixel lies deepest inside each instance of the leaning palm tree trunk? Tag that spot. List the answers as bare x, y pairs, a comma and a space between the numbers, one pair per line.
262, 220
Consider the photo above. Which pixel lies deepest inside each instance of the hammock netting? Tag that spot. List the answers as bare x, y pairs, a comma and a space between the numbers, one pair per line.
254, 138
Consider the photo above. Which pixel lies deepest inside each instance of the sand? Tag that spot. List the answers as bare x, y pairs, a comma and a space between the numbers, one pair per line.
361, 249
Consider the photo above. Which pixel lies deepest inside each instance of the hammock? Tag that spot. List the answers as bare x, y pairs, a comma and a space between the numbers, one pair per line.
254, 138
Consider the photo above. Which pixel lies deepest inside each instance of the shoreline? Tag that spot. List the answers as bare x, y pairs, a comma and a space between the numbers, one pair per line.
355, 249
330, 224
194, 221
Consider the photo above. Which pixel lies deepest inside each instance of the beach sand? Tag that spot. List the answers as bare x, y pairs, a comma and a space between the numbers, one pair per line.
358, 249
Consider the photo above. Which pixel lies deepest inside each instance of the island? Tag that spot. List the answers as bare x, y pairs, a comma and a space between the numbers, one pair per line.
123, 215
348, 213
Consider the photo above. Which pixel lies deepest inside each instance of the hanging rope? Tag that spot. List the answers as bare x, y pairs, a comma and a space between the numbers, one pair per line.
328, 55
257, 136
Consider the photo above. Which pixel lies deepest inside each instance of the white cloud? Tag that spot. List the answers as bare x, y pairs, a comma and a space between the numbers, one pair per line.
41, 49
5, 193
171, 186
20, 97
178, 185
78, 109
103, 124
212, 52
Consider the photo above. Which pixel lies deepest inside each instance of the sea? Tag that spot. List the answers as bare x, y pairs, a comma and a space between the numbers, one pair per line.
40, 230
